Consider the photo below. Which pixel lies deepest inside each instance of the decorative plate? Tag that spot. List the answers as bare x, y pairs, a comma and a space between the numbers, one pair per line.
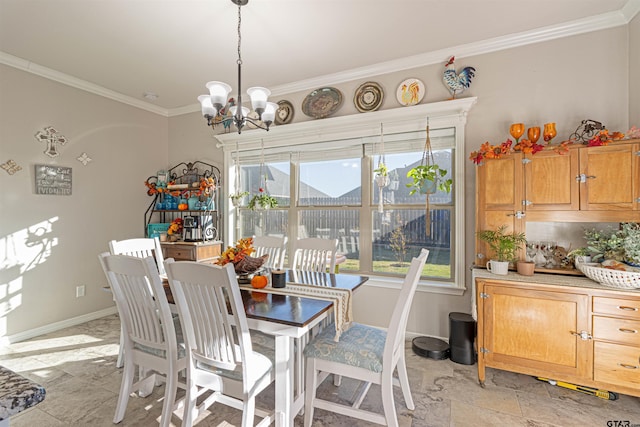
410, 92
284, 115
368, 97
322, 102
256, 120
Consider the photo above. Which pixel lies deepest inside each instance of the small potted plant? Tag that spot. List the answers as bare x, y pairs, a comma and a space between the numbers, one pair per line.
382, 175
504, 246
427, 179
262, 200
579, 256
237, 198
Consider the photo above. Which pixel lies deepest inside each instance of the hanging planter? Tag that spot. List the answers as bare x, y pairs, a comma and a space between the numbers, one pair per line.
427, 178
237, 199
381, 177
262, 200
238, 196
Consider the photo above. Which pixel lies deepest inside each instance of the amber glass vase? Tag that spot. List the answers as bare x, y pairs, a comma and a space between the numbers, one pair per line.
549, 132
533, 134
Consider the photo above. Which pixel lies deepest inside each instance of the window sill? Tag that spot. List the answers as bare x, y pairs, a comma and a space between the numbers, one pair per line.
423, 286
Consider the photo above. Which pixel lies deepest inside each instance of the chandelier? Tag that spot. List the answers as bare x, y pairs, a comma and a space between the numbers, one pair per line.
214, 104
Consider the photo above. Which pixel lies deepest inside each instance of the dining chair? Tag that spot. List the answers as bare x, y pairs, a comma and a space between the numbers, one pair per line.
150, 332
367, 354
275, 246
314, 254
221, 356
141, 248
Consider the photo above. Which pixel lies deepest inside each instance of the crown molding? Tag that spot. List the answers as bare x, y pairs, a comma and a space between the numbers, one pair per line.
48, 73
552, 32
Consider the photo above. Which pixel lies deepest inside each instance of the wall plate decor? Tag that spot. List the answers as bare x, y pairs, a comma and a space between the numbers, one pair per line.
84, 159
368, 97
410, 92
53, 180
284, 115
322, 102
254, 116
11, 167
51, 136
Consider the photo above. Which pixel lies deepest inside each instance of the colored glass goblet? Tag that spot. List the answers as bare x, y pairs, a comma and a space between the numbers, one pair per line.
533, 134
516, 130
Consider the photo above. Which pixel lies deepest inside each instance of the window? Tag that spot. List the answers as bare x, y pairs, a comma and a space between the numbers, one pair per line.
325, 188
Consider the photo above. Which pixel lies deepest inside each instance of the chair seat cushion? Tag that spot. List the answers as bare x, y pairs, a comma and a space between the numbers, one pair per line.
361, 346
263, 361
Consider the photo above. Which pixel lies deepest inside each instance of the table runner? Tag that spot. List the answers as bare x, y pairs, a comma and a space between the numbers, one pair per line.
341, 298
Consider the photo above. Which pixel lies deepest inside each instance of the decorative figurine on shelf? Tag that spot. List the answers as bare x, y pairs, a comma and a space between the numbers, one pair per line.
457, 82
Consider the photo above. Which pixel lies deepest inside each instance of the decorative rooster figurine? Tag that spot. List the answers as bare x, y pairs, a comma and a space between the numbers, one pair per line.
457, 83
226, 114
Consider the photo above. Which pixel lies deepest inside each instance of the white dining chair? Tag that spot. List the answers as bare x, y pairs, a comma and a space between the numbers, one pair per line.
315, 254
275, 246
221, 357
367, 354
150, 331
141, 248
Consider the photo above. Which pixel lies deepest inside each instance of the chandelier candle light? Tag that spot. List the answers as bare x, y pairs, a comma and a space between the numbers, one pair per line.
214, 103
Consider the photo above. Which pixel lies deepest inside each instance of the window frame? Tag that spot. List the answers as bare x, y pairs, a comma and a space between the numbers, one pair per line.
280, 140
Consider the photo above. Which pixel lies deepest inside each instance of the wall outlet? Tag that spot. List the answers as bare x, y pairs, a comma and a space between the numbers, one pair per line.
79, 291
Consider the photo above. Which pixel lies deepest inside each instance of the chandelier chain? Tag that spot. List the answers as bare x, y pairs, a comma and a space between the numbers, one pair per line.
239, 35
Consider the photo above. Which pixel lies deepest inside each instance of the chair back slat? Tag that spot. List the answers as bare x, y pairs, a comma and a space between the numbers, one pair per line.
315, 254
211, 311
272, 245
400, 315
140, 298
140, 248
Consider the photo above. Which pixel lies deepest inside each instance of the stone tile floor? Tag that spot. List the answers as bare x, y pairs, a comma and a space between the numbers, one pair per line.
77, 367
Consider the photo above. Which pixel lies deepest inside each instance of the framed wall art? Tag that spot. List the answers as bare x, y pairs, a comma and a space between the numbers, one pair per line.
53, 180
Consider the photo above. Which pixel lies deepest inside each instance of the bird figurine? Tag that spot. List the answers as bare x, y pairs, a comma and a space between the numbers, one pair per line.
457, 82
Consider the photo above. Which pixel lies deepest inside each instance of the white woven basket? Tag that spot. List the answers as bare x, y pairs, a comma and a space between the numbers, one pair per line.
609, 277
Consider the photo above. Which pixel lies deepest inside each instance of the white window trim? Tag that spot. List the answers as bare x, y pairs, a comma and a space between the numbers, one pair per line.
452, 113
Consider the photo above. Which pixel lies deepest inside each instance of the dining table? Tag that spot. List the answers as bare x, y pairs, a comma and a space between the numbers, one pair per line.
289, 319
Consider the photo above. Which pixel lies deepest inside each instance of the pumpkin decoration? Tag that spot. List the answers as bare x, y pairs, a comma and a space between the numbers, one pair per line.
183, 207
259, 282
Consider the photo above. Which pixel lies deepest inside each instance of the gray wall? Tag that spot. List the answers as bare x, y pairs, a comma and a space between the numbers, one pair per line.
50, 243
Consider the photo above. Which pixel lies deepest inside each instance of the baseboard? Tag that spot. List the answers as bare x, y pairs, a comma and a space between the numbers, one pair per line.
32, 333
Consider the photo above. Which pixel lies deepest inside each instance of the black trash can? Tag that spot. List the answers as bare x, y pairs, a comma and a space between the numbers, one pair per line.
462, 333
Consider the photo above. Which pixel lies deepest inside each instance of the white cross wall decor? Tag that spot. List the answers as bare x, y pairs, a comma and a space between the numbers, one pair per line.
53, 138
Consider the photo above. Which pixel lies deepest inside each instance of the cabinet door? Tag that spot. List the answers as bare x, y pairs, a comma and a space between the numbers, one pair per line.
532, 331
550, 181
498, 198
612, 177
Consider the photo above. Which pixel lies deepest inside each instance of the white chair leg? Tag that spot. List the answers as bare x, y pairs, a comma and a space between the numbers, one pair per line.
404, 383
120, 361
387, 401
169, 396
249, 411
190, 411
125, 389
310, 391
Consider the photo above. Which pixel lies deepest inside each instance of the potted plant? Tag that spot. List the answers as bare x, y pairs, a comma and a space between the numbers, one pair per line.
238, 198
382, 175
504, 246
621, 245
579, 256
262, 201
426, 179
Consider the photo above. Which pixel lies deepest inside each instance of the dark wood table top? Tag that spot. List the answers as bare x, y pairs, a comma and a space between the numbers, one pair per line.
295, 310
292, 310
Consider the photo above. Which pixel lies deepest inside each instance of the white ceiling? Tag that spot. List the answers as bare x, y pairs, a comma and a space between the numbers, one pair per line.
125, 48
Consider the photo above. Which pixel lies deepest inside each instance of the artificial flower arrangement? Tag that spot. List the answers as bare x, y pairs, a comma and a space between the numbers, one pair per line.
530, 146
175, 227
240, 256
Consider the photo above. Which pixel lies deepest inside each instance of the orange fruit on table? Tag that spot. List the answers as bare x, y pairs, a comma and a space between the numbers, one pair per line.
259, 282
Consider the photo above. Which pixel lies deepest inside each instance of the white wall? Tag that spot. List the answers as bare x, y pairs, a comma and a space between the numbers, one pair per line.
50, 244
565, 81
